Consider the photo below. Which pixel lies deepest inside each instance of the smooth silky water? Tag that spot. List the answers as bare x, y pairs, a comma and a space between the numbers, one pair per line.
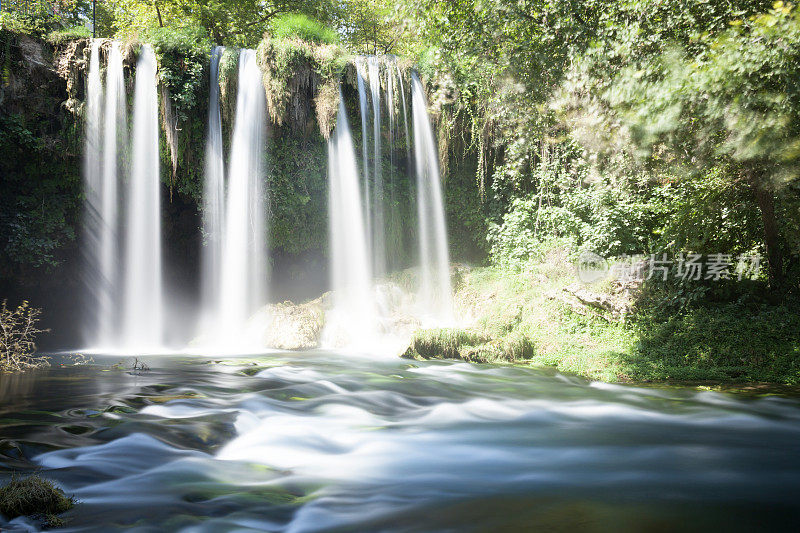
143, 306
321, 441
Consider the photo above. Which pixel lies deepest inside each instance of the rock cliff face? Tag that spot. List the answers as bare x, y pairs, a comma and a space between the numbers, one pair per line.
37, 80
40, 184
45, 81
27, 71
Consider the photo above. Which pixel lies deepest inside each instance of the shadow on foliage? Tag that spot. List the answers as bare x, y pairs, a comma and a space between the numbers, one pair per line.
724, 330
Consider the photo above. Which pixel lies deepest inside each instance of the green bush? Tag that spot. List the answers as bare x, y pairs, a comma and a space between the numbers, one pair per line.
302, 27
185, 38
444, 343
39, 193
34, 23
68, 34
470, 345
736, 341
14, 24
184, 55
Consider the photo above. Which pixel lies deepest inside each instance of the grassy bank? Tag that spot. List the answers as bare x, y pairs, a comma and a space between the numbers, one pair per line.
529, 318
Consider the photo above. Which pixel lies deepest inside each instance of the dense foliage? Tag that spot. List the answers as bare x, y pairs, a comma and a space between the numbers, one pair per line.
630, 127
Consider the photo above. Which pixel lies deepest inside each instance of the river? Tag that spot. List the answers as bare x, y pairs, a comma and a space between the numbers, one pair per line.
322, 441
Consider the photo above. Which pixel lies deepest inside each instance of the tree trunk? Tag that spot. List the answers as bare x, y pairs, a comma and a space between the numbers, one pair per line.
766, 204
158, 12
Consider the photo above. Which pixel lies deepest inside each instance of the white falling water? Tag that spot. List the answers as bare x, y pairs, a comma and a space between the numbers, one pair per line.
435, 290
115, 136
362, 104
213, 201
405, 110
390, 71
352, 321
143, 304
393, 239
243, 267
378, 226
93, 192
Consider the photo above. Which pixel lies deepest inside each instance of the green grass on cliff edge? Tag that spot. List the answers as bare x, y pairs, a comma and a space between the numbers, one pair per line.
519, 317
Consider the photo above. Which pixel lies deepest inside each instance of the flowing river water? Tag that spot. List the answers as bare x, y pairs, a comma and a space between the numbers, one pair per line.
321, 441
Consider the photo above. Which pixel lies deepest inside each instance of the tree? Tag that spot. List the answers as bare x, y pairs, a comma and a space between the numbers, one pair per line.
226, 22
735, 98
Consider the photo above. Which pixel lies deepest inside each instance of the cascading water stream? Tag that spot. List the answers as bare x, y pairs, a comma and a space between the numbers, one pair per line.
143, 300
362, 104
363, 308
115, 135
405, 110
435, 289
95, 281
213, 201
378, 222
393, 230
352, 322
244, 260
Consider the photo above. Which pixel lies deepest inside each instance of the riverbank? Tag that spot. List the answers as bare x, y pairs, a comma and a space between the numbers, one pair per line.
545, 317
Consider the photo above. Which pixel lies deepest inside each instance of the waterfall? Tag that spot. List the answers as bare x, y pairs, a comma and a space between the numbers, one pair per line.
127, 285
435, 290
361, 309
390, 101
243, 267
353, 319
213, 200
115, 135
94, 223
143, 305
393, 237
405, 111
362, 104
378, 226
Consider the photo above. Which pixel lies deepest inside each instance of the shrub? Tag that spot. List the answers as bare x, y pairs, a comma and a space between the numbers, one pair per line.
68, 34
734, 341
34, 23
445, 343
183, 59
183, 65
185, 38
302, 27
18, 333
469, 345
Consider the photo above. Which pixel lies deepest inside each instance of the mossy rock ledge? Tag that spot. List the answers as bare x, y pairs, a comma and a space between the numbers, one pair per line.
35, 497
468, 345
